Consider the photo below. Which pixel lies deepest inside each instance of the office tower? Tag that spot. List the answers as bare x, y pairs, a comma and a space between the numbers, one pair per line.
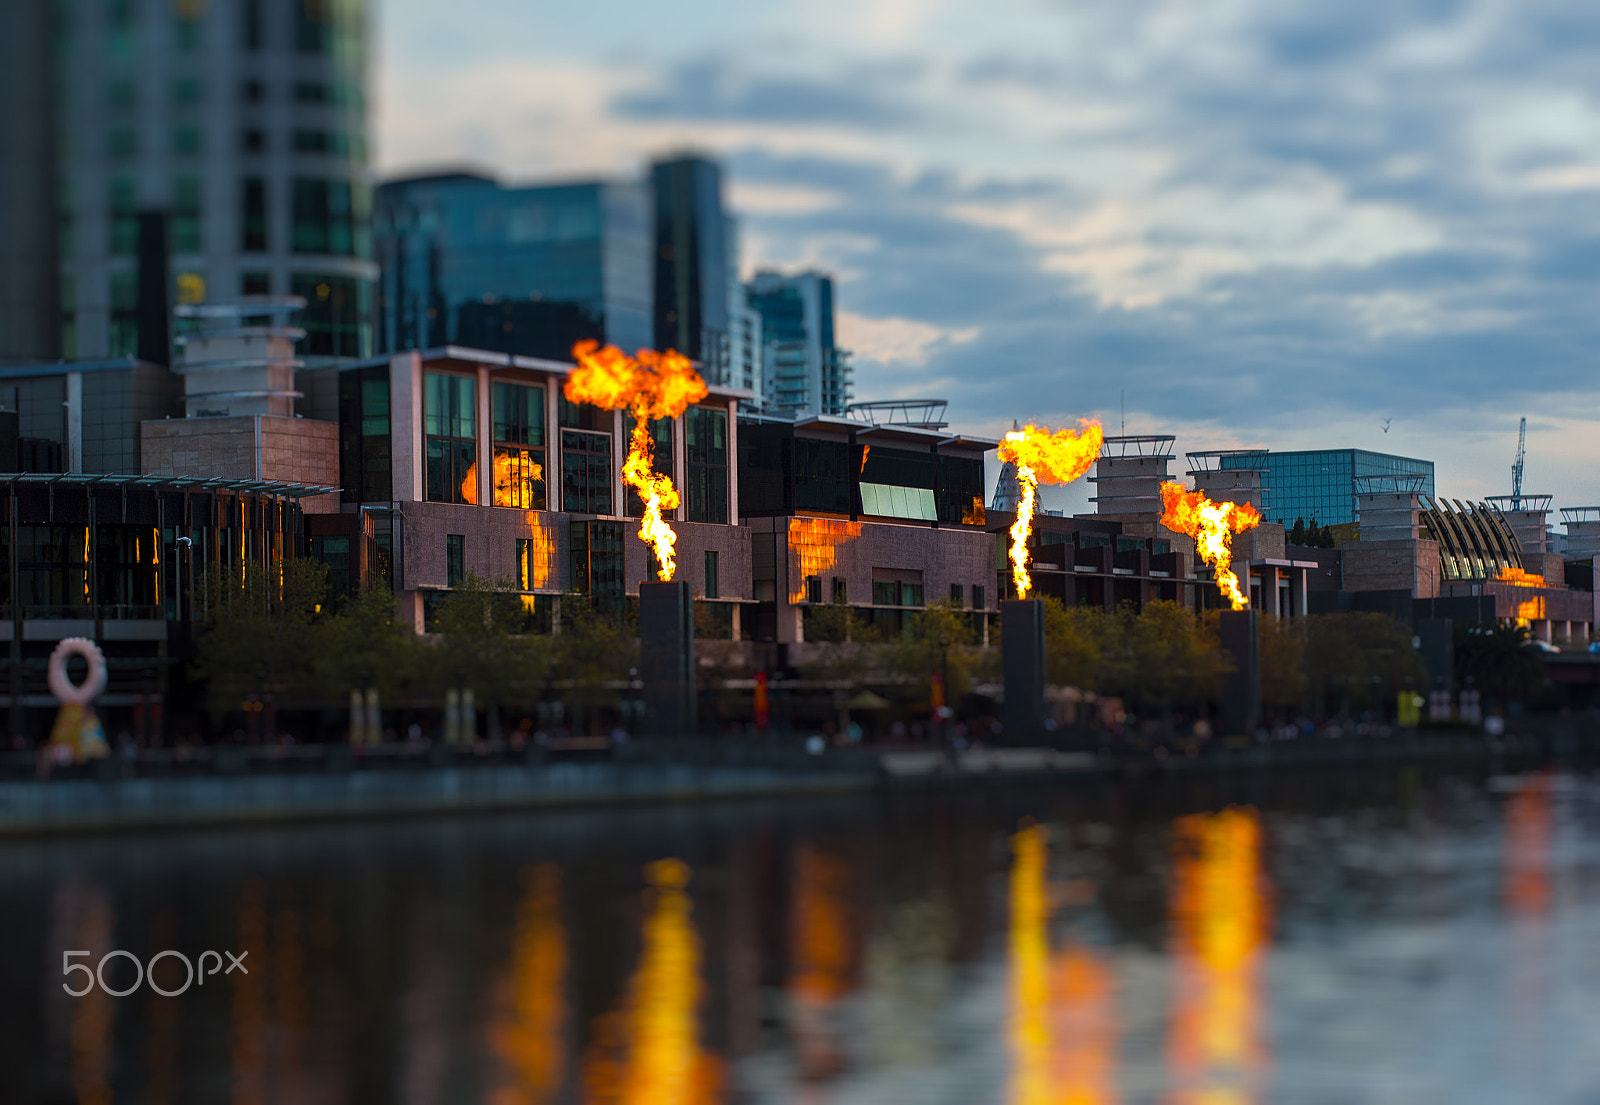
203, 151
691, 259
532, 270
745, 354
805, 371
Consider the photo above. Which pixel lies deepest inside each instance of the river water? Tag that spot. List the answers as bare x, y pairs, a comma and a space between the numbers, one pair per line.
1361, 936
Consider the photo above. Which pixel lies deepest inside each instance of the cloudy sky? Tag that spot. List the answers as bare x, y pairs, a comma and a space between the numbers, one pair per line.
1263, 222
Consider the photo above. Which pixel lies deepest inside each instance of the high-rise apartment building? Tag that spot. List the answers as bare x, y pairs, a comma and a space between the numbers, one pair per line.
691, 270
804, 370
196, 151
531, 270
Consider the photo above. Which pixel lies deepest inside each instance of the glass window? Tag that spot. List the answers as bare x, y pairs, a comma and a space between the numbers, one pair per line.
977, 596
323, 217
122, 142
910, 594
814, 589
448, 410
186, 140
252, 92
956, 596
519, 414
124, 219
885, 593
253, 219
364, 441
253, 25
253, 140
186, 90
455, 558
336, 318
711, 589
519, 479
586, 472
706, 452
185, 221
597, 562
840, 591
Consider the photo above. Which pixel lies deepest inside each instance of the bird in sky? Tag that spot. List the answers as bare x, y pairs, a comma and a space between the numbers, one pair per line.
1386, 422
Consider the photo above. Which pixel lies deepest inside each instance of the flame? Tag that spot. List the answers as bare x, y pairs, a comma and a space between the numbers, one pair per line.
537, 557
974, 515
1043, 457
1519, 577
815, 541
1219, 929
513, 480
652, 385
1212, 525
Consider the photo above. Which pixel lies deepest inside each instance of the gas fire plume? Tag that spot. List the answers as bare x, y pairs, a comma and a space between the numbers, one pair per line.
1212, 525
651, 385
1043, 457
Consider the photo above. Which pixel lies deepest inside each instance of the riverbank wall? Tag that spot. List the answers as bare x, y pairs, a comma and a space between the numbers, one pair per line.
231, 790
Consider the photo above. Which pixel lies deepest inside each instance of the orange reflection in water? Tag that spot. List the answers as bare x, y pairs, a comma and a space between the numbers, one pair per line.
814, 543
1527, 894
248, 1038
1527, 872
91, 1036
529, 1033
823, 953
1062, 1027
647, 1051
1219, 925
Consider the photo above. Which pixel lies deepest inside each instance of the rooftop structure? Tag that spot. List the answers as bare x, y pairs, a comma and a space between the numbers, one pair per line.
1239, 482
1129, 474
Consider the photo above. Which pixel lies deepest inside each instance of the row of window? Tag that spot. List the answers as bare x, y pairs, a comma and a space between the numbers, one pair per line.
326, 216
519, 440
889, 592
189, 91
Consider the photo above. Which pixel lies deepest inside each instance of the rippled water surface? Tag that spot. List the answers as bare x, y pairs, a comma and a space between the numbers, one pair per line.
1358, 937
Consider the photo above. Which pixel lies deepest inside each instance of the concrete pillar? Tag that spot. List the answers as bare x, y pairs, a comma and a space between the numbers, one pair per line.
1022, 661
1240, 631
666, 653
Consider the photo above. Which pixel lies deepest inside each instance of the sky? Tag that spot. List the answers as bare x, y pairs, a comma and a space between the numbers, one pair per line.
1264, 223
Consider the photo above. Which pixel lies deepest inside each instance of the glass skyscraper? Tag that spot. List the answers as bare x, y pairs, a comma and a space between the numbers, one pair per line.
691, 263
804, 369
194, 151
1320, 483
519, 270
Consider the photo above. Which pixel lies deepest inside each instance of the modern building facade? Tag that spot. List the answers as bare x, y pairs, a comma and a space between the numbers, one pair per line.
476, 464
804, 370
1321, 483
197, 151
531, 271
30, 323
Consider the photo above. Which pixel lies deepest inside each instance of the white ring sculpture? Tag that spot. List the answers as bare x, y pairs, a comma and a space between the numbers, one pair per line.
62, 686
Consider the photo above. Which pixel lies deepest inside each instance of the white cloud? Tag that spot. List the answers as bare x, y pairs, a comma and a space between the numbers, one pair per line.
897, 341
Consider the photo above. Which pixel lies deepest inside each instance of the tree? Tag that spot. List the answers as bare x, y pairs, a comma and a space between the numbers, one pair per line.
482, 645
1360, 661
1073, 640
260, 630
939, 638
1283, 672
1161, 658
595, 650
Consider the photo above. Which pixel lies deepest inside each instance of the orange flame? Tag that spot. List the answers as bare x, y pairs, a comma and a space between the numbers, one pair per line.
651, 385
1042, 456
1212, 525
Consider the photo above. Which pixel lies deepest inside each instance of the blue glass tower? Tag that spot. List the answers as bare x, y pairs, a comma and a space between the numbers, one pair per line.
519, 270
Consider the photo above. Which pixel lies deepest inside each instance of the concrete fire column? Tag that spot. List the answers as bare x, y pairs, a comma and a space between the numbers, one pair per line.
666, 652
1022, 659
1241, 692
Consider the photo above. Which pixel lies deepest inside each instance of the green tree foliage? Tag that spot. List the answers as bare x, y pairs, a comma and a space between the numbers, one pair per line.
1073, 639
1498, 661
260, 630
1283, 670
939, 638
1161, 658
482, 643
1360, 661
594, 652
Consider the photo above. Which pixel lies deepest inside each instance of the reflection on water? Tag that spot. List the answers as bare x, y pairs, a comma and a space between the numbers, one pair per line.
1354, 938
647, 1050
528, 1034
1218, 933
1062, 1025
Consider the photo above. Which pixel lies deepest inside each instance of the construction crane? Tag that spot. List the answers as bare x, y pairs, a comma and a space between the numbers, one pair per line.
1516, 466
